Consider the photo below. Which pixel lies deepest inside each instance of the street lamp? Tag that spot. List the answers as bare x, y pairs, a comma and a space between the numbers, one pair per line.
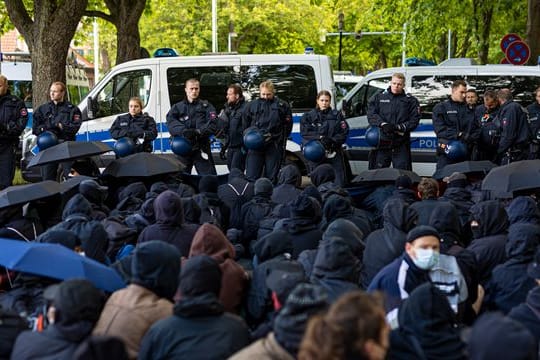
231, 35
340, 29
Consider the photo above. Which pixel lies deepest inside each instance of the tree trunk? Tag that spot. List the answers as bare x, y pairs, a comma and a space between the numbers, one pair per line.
533, 30
48, 37
125, 15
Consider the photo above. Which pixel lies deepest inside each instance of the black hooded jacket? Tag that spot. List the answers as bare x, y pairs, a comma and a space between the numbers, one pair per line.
523, 209
236, 186
170, 226
528, 312
386, 244
426, 328
510, 282
130, 199
460, 197
13, 225
339, 207
287, 189
424, 208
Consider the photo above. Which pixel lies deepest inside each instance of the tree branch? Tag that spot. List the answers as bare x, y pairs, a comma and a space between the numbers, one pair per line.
20, 18
99, 14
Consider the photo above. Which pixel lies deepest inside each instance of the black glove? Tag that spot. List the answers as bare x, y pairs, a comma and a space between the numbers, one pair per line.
466, 138
401, 128
388, 128
223, 153
327, 142
191, 134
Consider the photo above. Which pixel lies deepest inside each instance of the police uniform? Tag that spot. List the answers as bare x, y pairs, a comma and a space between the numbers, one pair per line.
453, 120
402, 111
48, 117
13, 119
141, 128
332, 130
490, 133
534, 122
274, 119
196, 121
515, 133
232, 130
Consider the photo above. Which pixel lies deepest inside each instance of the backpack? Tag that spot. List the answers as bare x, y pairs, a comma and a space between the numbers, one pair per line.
236, 210
252, 213
210, 213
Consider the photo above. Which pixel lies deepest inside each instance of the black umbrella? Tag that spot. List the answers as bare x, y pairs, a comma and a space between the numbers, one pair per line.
143, 165
69, 150
520, 175
21, 194
385, 174
465, 167
73, 182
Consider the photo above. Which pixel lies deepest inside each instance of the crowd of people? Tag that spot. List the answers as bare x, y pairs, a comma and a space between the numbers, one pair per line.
263, 266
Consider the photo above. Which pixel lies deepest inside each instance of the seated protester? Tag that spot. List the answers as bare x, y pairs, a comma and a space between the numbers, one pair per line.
96, 195
101, 347
199, 327
525, 313
256, 209
489, 226
523, 209
280, 282
213, 210
375, 200
323, 177
495, 336
353, 328
427, 328
122, 238
340, 229
284, 341
288, 185
130, 199
210, 240
509, 284
62, 237
170, 226
76, 217
156, 189
386, 244
14, 225
235, 193
12, 325
143, 217
192, 211
74, 310
129, 312
445, 219
339, 207
336, 269
399, 278
458, 195
428, 191
185, 190
404, 190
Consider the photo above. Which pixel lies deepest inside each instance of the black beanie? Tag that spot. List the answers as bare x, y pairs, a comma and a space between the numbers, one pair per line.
422, 230
263, 186
303, 206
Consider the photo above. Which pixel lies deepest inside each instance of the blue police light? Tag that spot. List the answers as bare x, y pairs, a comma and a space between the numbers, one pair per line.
165, 52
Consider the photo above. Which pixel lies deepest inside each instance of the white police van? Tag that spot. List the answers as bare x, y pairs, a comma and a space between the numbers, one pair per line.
345, 81
159, 82
431, 85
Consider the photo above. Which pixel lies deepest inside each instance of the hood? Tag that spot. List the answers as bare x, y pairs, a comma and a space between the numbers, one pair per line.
156, 266
491, 218
335, 207
397, 214
210, 240
63, 237
445, 219
523, 239
136, 189
263, 188
457, 194
192, 211
290, 174
9, 213
168, 209
184, 190
336, 261
77, 205
208, 184
322, 174
523, 209
306, 207
271, 245
236, 173
346, 231
156, 189
312, 191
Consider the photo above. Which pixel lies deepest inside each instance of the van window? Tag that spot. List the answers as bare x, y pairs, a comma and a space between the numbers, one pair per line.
522, 87
114, 97
295, 84
359, 102
433, 89
23, 90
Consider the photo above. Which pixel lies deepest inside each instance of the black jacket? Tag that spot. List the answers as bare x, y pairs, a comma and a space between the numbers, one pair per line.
327, 125
135, 127
48, 116
200, 328
424, 208
288, 186
270, 116
13, 118
528, 312
514, 126
231, 123
523, 209
450, 119
196, 121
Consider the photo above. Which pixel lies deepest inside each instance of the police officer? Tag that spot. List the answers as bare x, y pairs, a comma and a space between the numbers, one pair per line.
534, 121
486, 115
231, 127
60, 117
452, 120
327, 125
273, 117
139, 127
13, 119
194, 119
396, 114
515, 132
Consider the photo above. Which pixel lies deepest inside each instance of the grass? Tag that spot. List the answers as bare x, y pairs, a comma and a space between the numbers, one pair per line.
18, 179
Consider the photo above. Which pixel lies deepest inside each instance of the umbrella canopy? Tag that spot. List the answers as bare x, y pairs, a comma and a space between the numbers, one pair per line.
520, 175
57, 262
464, 167
143, 164
69, 150
20, 194
385, 174
73, 182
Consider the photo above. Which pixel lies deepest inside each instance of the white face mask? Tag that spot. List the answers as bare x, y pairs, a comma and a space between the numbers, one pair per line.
425, 258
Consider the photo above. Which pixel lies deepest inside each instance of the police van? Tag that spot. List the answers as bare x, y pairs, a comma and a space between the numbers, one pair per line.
345, 81
431, 85
159, 82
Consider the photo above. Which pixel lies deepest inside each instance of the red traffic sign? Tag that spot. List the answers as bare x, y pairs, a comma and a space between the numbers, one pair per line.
518, 53
504, 61
507, 40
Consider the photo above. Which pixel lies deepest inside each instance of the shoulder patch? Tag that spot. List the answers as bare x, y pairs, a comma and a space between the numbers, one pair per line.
76, 117
24, 112
343, 125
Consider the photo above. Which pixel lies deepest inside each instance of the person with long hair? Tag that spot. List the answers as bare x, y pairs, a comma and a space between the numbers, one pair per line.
353, 328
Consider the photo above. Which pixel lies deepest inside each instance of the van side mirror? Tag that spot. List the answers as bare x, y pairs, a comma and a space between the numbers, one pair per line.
91, 107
